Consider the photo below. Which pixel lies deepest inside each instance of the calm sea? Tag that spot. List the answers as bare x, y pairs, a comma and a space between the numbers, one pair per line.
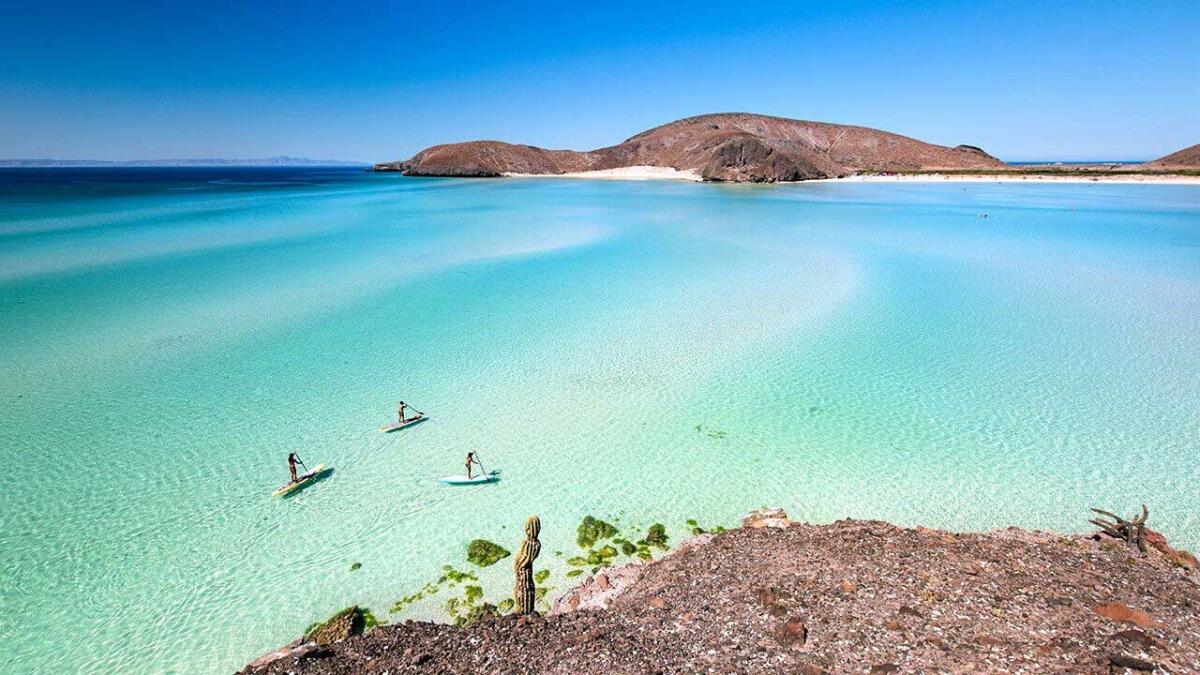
641, 351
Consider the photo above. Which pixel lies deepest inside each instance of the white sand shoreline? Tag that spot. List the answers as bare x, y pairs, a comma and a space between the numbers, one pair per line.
668, 173
1164, 179
621, 173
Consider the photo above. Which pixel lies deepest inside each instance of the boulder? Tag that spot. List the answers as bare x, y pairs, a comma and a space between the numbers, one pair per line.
776, 518
1158, 542
1115, 611
346, 623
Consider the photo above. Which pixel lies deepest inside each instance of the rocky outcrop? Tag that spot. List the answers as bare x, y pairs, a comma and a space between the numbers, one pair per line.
851, 596
1187, 158
1180, 558
776, 518
735, 147
489, 159
346, 623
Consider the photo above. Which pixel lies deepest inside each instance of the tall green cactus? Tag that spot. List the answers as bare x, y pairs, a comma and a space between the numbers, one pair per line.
523, 591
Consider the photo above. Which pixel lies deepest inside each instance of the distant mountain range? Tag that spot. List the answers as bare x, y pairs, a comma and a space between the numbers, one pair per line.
737, 147
269, 161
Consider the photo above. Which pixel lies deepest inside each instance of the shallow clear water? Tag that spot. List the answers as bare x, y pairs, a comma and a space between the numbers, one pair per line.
644, 351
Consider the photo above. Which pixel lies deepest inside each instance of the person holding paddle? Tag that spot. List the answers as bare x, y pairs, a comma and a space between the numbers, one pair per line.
292, 459
472, 460
400, 410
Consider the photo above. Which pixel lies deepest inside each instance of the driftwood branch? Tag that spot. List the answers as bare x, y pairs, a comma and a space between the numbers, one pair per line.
1132, 531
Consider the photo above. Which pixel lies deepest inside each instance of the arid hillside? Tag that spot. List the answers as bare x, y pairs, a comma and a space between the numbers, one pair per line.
737, 147
1187, 158
849, 597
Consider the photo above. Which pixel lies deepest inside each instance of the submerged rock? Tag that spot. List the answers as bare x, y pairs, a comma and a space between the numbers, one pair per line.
592, 530
656, 537
346, 623
483, 553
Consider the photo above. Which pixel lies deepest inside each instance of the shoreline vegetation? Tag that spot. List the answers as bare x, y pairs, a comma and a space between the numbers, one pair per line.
775, 593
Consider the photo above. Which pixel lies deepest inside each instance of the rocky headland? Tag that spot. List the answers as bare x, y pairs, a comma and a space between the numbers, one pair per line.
745, 147
736, 147
852, 596
1187, 158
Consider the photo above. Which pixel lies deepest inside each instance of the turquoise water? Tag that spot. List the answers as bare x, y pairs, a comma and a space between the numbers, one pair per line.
651, 352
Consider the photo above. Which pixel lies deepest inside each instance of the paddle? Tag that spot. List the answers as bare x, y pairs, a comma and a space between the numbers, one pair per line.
485, 473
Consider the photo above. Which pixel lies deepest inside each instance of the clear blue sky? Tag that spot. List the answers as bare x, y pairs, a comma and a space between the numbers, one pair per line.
377, 81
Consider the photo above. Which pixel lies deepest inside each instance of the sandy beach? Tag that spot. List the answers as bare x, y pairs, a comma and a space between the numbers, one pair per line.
620, 173
669, 173
1160, 179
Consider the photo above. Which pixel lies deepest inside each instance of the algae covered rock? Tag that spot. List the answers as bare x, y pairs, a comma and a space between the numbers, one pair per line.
483, 553
656, 537
346, 623
592, 530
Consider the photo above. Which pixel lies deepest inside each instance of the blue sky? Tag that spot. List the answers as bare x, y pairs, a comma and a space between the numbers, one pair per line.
377, 81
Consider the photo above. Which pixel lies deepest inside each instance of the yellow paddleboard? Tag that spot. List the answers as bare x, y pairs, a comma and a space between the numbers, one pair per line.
300, 482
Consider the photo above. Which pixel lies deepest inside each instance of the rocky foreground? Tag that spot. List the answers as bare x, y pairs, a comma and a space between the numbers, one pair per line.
853, 596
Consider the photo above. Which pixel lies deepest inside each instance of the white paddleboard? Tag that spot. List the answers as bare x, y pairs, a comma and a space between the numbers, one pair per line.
463, 480
301, 481
397, 426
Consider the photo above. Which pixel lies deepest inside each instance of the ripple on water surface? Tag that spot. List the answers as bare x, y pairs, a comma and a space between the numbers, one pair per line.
642, 352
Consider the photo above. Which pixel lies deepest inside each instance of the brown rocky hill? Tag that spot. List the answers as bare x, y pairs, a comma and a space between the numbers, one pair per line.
776, 596
738, 147
1186, 158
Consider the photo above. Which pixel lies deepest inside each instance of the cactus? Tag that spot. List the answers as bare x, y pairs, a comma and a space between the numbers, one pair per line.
524, 593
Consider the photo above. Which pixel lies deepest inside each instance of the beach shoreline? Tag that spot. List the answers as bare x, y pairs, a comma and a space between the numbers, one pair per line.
640, 172
1016, 177
645, 172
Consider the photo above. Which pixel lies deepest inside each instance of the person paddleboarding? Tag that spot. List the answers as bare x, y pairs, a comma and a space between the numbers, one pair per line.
400, 412
292, 459
299, 481
471, 461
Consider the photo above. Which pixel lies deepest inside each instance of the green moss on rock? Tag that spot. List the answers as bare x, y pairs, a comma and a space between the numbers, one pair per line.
483, 553
697, 529
370, 621
453, 576
592, 530
346, 623
656, 537
402, 603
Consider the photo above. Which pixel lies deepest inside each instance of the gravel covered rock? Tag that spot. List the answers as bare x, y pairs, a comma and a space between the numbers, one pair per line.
852, 596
